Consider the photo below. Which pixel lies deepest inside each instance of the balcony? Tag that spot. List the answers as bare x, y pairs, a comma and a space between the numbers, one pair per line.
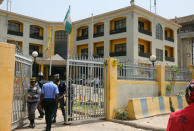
98, 34
15, 33
98, 55
82, 37
36, 37
169, 39
118, 30
171, 59
142, 54
147, 32
113, 54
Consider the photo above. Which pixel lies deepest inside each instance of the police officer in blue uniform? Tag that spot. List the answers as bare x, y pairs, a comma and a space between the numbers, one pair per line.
49, 98
32, 100
62, 90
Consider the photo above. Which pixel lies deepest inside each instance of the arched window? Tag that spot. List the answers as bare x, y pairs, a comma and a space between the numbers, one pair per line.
159, 32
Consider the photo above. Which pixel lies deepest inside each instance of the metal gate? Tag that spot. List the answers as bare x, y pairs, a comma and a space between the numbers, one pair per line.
23, 67
86, 90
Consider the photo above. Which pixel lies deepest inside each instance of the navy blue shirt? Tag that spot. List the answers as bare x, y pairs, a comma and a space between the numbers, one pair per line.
49, 90
62, 87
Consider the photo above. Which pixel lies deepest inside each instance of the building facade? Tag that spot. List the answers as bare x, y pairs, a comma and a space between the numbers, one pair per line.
130, 33
31, 34
185, 41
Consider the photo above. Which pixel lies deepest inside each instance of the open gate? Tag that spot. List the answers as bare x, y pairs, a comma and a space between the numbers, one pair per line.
86, 90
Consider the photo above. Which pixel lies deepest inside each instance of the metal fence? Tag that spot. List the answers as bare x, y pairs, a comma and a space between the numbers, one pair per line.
177, 74
86, 91
130, 71
23, 67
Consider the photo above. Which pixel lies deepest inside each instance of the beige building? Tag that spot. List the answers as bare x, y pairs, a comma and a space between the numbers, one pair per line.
185, 41
130, 33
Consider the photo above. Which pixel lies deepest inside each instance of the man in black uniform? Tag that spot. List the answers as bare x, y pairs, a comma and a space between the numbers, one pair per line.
62, 90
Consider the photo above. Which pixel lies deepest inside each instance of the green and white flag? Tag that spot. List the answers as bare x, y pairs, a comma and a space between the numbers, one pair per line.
67, 22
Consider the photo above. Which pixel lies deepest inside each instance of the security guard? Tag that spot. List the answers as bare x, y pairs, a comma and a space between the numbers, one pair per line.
49, 98
32, 100
62, 90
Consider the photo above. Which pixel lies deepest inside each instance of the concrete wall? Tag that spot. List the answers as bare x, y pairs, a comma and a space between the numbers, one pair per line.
7, 66
135, 89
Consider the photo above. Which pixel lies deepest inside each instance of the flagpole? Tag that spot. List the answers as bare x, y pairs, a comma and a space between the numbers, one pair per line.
50, 64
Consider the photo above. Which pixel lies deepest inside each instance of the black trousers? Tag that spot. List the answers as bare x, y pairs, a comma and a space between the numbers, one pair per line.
62, 104
49, 107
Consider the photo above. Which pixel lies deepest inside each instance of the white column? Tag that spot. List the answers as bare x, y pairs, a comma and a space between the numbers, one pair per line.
106, 38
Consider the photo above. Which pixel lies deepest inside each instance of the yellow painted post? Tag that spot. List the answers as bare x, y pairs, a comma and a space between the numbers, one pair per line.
7, 66
161, 80
111, 88
191, 68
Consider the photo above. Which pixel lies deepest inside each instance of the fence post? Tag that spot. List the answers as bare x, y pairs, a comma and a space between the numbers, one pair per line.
111, 96
7, 66
161, 80
191, 68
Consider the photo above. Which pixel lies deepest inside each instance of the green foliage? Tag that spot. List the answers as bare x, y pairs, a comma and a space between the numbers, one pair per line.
120, 65
181, 93
121, 114
105, 63
169, 88
175, 69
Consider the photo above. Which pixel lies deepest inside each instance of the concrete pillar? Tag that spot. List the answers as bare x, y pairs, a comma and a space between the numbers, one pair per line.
111, 88
106, 40
7, 66
161, 80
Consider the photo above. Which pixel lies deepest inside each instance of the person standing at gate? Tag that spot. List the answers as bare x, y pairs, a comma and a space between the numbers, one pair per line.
32, 100
62, 90
49, 98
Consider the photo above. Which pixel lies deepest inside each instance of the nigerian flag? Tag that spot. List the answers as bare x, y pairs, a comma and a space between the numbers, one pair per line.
67, 22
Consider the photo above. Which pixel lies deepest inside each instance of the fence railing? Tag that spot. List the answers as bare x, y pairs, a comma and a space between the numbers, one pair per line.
136, 72
178, 74
23, 68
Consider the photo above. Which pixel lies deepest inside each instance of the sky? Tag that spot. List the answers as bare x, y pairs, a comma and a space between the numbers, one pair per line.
55, 10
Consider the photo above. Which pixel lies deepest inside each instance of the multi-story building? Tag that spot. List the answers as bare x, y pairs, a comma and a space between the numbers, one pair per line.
185, 40
130, 33
31, 34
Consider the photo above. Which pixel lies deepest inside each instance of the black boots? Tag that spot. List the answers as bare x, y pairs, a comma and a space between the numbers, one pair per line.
32, 125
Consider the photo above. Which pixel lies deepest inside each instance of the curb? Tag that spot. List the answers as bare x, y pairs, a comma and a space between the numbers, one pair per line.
138, 125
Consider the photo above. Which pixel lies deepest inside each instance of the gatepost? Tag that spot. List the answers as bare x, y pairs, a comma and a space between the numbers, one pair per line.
7, 66
111, 96
161, 80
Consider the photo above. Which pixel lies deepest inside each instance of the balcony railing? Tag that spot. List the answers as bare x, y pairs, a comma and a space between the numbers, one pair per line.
142, 54
118, 30
113, 54
82, 37
15, 33
98, 55
36, 37
98, 34
147, 32
169, 58
169, 39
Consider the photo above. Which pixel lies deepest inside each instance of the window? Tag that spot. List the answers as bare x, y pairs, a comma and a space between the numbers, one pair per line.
85, 32
166, 53
99, 28
34, 31
159, 32
141, 25
141, 48
33, 48
60, 35
120, 48
120, 24
159, 54
100, 50
13, 26
84, 52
